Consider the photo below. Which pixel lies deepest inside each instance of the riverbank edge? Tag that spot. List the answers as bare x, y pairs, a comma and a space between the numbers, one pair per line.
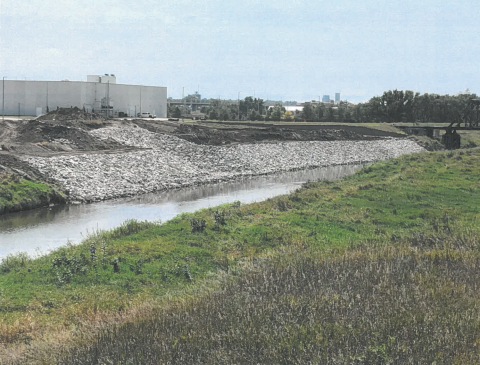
61, 194
18, 194
235, 178
175, 163
56, 197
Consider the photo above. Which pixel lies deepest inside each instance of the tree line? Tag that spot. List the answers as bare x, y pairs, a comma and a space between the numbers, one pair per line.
394, 106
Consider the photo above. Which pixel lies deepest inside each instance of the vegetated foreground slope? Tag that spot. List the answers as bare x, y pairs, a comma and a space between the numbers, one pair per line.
379, 267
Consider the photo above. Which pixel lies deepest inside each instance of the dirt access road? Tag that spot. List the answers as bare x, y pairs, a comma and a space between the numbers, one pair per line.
359, 129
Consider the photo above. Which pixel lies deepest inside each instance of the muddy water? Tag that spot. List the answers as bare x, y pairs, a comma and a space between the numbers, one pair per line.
42, 230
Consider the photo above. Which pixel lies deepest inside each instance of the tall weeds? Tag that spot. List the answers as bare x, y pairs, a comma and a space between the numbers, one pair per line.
412, 303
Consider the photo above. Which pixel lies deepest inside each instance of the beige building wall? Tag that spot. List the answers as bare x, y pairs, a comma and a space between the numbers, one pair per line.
32, 97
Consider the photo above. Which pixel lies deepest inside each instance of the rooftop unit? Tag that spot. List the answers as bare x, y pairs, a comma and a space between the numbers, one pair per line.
105, 79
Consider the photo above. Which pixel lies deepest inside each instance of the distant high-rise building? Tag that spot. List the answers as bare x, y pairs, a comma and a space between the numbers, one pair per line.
337, 98
326, 98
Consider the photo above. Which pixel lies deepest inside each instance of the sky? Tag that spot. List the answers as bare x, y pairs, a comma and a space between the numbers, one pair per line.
280, 50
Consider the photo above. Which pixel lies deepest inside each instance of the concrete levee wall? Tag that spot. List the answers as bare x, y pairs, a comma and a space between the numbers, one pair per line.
29, 97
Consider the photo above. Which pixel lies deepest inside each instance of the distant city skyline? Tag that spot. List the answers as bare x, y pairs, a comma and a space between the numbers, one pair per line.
279, 50
286, 102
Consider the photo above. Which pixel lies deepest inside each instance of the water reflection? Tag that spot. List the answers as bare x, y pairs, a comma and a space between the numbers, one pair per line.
40, 230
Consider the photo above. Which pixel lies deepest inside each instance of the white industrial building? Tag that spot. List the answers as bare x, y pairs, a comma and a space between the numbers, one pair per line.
100, 94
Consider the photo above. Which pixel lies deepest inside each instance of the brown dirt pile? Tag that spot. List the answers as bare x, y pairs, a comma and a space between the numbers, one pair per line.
10, 164
62, 114
53, 135
61, 130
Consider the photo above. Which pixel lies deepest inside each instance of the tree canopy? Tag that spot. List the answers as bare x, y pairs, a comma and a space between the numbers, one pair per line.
393, 106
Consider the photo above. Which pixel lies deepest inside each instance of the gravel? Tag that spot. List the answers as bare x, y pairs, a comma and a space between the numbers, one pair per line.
171, 162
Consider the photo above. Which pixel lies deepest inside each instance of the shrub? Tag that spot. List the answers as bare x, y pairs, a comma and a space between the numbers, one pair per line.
198, 225
130, 227
14, 262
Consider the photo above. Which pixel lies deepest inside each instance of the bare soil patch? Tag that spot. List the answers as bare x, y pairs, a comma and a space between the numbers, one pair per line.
61, 130
10, 164
359, 129
211, 135
63, 135
63, 114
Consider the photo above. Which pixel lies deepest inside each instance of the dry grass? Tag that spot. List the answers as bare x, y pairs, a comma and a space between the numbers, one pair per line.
410, 303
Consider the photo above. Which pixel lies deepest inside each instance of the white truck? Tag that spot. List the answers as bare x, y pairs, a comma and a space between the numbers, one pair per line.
146, 115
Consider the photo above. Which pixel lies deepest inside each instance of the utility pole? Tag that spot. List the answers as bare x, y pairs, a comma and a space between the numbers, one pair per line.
266, 107
238, 101
3, 99
108, 99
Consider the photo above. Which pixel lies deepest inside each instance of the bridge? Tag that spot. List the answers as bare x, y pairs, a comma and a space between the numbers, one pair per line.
468, 121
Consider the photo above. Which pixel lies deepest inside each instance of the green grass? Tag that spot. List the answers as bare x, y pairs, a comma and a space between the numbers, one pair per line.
374, 303
470, 138
19, 194
387, 202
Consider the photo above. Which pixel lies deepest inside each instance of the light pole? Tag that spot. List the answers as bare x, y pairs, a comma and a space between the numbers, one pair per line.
3, 98
238, 100
140, 100
183, 103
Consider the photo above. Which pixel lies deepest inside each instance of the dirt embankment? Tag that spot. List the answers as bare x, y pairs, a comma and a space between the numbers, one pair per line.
10, 164
23, 187
221, 136
69, 145
171, 162
364, 131
67, 136
67, 130
69, 114
62, 130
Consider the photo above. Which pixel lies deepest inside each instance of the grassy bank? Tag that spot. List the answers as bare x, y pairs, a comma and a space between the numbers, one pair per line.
17, 194
128, 272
